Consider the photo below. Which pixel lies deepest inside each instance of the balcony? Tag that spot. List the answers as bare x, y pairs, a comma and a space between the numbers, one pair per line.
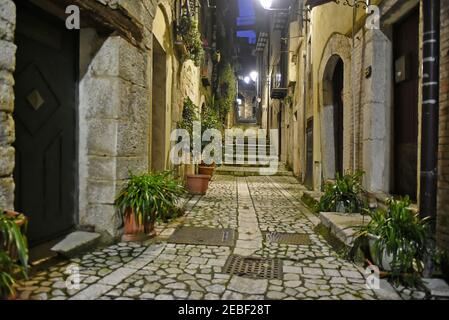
279, 78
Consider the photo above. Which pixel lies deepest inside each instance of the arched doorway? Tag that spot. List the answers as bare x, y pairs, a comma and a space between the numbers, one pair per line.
332, 113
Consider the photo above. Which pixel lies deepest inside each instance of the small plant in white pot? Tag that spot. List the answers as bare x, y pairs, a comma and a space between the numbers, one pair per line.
397, 239
343, 196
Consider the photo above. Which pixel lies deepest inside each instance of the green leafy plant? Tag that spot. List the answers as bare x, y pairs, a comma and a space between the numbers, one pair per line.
13, 252
150, 197
227, 92
209, 116
189, 116
402, 234
344, 195
192, 39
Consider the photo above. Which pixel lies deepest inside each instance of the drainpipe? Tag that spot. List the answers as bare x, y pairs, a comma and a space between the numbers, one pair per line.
430, 117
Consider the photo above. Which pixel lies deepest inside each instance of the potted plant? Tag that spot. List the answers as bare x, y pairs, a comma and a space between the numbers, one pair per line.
209, 120
191, 38
397, 239
13, 251
143, 200
196, 183
343, 196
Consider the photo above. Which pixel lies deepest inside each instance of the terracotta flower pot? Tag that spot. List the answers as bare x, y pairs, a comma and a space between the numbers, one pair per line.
204, 170
203, 164
198, 184
134, 232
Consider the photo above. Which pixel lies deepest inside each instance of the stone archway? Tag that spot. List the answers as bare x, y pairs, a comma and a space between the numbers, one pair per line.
335, 106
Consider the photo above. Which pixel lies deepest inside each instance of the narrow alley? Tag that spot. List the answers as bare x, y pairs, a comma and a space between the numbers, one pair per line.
224, 150
256, 207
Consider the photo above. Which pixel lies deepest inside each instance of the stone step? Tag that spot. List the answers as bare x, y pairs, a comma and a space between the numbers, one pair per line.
241, 171
344, 226
76, 243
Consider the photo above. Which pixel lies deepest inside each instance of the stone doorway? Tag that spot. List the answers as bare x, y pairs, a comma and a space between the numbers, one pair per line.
159, 107
333, 107
45, 116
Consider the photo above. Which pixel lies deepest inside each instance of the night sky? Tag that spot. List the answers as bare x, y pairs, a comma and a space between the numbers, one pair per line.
247, 17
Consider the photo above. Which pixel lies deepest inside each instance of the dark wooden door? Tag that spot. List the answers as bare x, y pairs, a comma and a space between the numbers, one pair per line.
309, 156
406, 57
280, 130
337, 83
45, 116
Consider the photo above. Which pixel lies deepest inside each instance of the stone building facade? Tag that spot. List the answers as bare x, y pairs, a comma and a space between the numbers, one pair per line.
355, 99
128, 95
443, 156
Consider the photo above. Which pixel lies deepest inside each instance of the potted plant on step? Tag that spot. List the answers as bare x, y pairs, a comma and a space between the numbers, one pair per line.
397, 239
343, 196
196, 183
145, 199
13, 251
209, 121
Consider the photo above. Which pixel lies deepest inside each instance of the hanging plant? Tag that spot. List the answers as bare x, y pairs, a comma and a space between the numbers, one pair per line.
192, 41
227, 91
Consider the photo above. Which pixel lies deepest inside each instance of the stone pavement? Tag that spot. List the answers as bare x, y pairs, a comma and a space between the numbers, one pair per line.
160, 270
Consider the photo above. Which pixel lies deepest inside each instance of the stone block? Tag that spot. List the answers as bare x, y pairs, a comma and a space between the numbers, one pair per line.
76, 243
101, 97
7, 55
344, 226
101, 191
135, 102
102, 135
102, 168
7, 129
248, 286
7, 20
130, 164
106, 61
132, 138
7, 193
7, 160
133, 64
438, 288
103, 217
6, 97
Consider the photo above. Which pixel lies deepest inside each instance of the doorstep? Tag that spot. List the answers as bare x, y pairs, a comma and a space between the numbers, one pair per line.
344, 226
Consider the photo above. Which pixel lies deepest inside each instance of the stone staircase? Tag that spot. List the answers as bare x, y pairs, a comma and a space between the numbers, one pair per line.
251, 159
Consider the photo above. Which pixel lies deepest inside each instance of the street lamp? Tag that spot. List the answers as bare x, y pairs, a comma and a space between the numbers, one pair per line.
247, 79
254, 75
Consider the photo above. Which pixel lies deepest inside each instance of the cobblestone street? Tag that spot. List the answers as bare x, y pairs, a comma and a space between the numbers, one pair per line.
254, 207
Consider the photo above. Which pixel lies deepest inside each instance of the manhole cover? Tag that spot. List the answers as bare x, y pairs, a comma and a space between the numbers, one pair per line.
204, 236
298, 239
259, 268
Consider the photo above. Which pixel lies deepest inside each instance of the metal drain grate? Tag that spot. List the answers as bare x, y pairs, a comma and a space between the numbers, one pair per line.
204, 236
258, 268
298, 239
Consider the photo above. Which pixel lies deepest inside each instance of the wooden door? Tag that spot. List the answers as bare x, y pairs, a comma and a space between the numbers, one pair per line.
45, 118
406, 92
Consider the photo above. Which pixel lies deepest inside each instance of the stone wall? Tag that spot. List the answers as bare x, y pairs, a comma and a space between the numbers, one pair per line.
443, 155
373, 105
7, 132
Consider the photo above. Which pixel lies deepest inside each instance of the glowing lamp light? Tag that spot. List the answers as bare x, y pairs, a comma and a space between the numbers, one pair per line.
266, 4
247, 79
254, 76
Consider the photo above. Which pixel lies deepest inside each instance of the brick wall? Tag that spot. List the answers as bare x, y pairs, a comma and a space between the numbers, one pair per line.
443, 176
7, 133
